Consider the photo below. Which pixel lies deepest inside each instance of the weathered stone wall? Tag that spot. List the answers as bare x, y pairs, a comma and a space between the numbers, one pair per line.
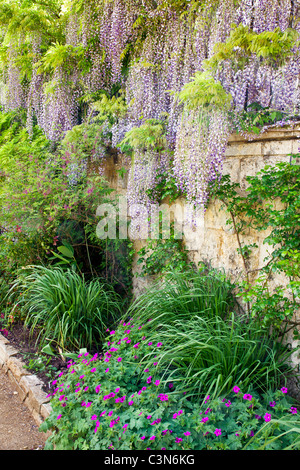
215, 241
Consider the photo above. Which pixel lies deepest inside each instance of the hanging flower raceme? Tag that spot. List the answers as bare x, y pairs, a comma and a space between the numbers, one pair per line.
201, 138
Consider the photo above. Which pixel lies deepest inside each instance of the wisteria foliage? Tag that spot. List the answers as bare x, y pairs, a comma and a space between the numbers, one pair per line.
149, 50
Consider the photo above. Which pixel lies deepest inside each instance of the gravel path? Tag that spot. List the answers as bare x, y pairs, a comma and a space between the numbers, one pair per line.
18, 430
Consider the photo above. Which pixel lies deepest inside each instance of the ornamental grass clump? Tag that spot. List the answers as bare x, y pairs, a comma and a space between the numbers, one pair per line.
110, 401
183, 295
207, 347
66, 309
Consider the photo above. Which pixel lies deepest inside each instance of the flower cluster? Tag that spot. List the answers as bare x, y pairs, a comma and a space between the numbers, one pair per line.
128, 405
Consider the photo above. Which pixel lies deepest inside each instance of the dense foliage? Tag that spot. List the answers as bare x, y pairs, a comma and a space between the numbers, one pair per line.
191, 66
163, 84
115, 402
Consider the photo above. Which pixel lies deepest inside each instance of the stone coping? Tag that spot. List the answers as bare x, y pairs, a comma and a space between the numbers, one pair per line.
28, 386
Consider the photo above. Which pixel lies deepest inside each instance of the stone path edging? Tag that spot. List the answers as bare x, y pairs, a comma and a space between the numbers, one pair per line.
28, 386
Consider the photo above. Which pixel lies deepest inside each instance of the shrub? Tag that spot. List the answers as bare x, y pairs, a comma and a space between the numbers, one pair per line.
111, 402
67, 309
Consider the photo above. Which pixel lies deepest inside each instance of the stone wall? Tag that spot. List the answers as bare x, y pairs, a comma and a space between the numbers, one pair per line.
214, 241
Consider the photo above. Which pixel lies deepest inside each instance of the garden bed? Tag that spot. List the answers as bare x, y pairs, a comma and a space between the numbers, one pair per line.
45, 367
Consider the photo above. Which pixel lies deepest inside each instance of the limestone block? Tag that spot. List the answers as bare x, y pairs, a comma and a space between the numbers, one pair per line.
244, 149
45, 410
6, 351
37, 417
248, 168
3, 340
17, 368
29, 381
21, 393
36, 398
283, 147
231, 166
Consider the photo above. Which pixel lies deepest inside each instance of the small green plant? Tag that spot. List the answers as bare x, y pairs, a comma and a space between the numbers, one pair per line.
161, 256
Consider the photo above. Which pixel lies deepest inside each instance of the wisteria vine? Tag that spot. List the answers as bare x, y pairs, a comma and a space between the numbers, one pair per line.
150, 50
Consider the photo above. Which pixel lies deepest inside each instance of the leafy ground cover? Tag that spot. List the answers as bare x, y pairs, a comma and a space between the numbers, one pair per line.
111, 401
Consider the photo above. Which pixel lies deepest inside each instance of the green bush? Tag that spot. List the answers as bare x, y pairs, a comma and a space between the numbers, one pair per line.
112, 402
66, 309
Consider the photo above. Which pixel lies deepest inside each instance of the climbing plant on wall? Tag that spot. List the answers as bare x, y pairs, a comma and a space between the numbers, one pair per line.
58, 58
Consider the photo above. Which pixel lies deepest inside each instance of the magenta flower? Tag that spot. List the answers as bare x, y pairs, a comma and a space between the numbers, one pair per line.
247, 396
159, 345
272, 404
267, 417
293, 410
119, 359
149, 379
284, 390
94, 369
130, 403
106, 370
236, 389
218, 432
143, 437
152, 438
178, 439
59, 416
157, 382
204, 420
187, 433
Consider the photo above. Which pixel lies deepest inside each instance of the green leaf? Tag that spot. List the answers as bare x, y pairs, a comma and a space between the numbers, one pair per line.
66, 251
